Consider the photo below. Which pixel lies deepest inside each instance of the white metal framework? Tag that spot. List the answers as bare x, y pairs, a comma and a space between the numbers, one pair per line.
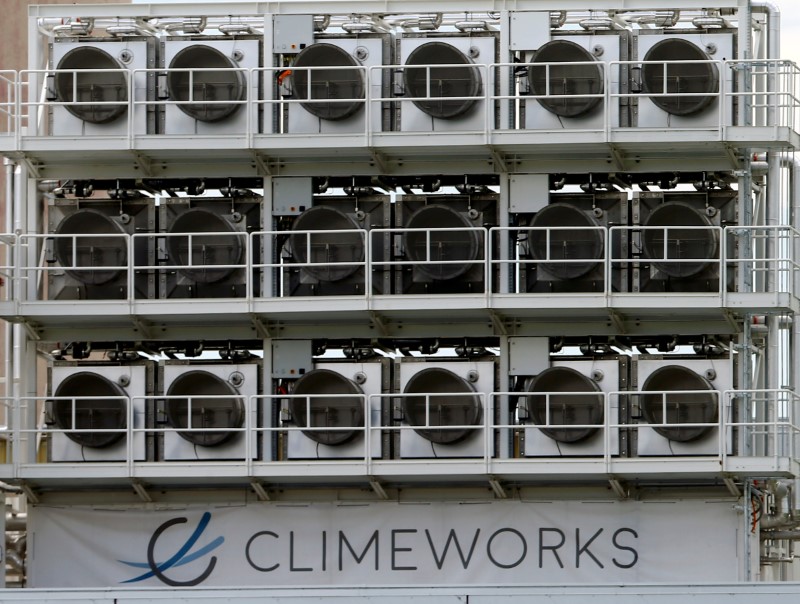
285, 230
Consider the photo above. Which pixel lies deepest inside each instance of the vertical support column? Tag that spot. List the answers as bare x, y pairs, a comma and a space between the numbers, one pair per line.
269, 287
503, 411
505, 75
268, 440
268, 110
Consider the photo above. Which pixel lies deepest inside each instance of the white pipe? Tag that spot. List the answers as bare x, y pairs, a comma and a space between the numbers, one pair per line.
9, 228
773, 13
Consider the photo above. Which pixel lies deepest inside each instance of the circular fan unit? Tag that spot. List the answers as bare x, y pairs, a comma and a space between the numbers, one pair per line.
319, 412
679, 79
327, 251
570, 83
90, 251
679, 408
563, 410
435, 413
202, 252
462, 247
579, 243
681, 243
93, 82
210, 417
323, 87
90, 413
216, 79
434, 85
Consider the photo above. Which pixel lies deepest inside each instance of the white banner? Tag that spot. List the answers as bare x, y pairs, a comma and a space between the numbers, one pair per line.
273, 544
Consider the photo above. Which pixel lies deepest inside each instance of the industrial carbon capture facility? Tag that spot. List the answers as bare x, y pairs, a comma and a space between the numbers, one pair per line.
360, 301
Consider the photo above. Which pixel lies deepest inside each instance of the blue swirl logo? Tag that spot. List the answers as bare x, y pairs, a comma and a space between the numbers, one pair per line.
181, 557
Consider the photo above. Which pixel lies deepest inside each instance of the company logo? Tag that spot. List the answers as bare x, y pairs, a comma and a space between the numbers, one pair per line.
181, 557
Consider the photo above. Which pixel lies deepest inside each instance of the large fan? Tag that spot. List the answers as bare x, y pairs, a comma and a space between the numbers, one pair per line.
562, 410
677, 408
90, 251
690, 87
682, 243
216, 407
322, 87
95, 412
317, 411
569, 84
432, 86
452, 402
333, 256
459, 247
197, 256
201, 73
86, 76
584, 244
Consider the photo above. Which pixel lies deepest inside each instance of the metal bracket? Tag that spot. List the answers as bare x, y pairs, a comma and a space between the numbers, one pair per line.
498, 323
144, 163
619, 488
141, 490
261, 327
498, 489
142, 327
31, 165
259, 490
733, 489
617, 157
499, 160
733, 155
378, 488
616, 319
30, 329
379, 322
380, 161
30, 494
262, 163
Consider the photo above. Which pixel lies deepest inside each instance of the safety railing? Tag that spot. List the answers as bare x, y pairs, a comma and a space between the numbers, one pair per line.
679, 422
668, 260
554, 96
767, 93
566, 424
52, 262
548, 259
435, 260
320, 100
673, 258
751, 426
319, 426
328, 101
7, 423
317, 262
768, 422
440, 97
7, 263
81, 102
215, 264
772, 264
9, 96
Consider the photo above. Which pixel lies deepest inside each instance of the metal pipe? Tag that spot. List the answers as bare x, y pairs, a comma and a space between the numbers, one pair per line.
778, 535
773, 13
16, 522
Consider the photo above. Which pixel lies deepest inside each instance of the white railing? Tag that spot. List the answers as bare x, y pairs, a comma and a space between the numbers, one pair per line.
8, 105
366, 263
754, 424
8, 244
768, 422
753, 93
